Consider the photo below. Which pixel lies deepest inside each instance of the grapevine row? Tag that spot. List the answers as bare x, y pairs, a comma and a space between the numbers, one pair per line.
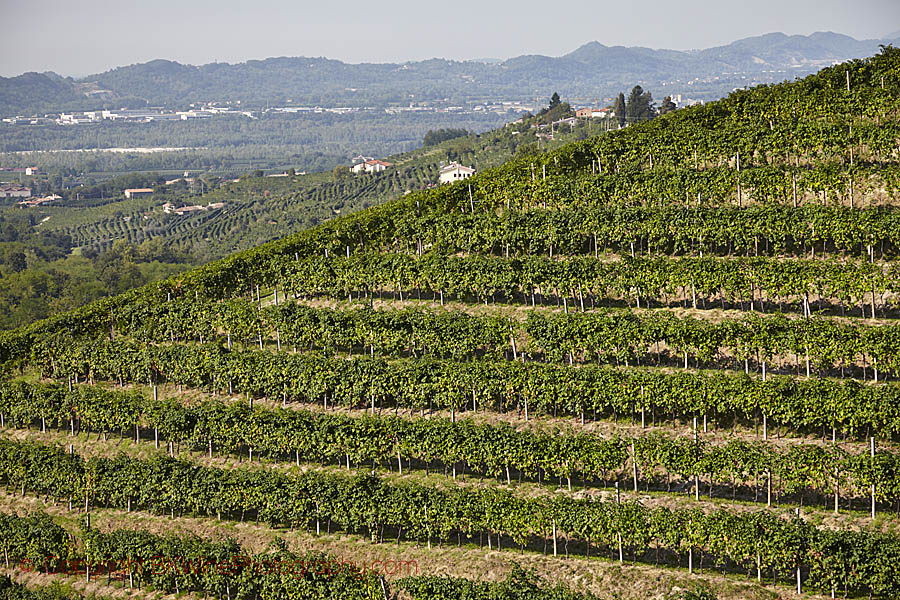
299, 263
810, 405
666, 230
611, 336
177, 564
494, 450
826, 559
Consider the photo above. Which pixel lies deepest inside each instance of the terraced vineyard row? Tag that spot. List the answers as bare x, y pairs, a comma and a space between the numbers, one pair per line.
743, 283
617, 336
496, 451
175, 564
528, 388
142, 561
365, 506
735, 282
644, 230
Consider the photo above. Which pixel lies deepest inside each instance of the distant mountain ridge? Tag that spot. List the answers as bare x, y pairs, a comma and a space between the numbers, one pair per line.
593, 70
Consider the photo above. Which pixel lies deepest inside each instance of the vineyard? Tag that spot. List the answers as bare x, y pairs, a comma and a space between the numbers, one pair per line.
260, 209
247, 220
668, 351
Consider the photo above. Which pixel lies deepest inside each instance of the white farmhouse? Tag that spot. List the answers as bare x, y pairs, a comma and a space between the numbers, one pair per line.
371, 166
455, 172
138, 192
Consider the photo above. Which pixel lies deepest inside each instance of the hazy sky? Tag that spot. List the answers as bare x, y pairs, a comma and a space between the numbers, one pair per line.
89, 36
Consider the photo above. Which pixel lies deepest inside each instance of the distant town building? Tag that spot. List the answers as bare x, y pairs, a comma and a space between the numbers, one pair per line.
371, 166
584, 113
193, 114
31, 170
14, 191
138, 192
455, 172
73, 119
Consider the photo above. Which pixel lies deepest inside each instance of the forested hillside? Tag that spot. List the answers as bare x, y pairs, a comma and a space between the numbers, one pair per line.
655, 357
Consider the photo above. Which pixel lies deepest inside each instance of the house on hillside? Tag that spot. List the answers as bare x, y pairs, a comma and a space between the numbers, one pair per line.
370, 166
592, 113
14, 191
571, 122
455, 172
187, 180
40, 201
189, 209
138, 192
170, 208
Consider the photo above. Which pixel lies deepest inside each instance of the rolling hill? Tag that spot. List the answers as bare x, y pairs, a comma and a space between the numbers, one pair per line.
591, 71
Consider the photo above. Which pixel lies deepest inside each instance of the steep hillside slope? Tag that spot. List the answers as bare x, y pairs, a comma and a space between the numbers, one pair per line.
673, 345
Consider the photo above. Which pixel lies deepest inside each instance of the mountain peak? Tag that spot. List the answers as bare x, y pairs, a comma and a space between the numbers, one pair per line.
586, 52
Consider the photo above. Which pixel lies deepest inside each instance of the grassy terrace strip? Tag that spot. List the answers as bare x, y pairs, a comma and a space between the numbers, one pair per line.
519, 582
535, 388
179, 564
603, 335
17, 591
143, 560
778, 546
495, 450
